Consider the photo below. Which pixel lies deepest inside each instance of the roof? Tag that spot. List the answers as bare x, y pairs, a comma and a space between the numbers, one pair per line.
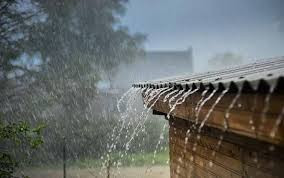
258, 76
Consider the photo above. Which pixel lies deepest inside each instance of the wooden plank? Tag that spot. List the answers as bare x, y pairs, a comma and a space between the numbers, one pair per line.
240, 116
236, 156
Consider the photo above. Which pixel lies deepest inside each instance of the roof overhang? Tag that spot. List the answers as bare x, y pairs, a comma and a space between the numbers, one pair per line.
255, 81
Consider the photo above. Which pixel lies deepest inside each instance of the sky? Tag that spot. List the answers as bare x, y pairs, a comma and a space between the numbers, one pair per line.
253, 29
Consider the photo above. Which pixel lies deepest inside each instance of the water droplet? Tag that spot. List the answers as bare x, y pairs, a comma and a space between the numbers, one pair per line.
271, 148
227, 115
178, 169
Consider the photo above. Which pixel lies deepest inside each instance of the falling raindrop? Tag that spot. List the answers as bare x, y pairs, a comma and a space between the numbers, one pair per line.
231, 106
212, 108
227, 114
169, 94
266, 106
123, 96
203, 103
181, 100
199, 102
174, 97
278, 121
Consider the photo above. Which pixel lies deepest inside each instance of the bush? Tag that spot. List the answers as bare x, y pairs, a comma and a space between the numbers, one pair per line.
14, 137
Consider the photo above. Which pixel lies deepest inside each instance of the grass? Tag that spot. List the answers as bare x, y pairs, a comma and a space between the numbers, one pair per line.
140, 159
134, 160
137, 159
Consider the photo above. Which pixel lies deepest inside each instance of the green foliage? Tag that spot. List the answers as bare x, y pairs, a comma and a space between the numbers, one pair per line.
16, 135
78, 37
134, 159
7, 166
78, 42
142, 159
16, 132
73, 43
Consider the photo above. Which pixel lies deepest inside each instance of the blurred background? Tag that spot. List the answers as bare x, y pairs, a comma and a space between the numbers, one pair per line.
64, 64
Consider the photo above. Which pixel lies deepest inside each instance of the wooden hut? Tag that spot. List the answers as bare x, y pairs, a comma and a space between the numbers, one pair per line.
242, 110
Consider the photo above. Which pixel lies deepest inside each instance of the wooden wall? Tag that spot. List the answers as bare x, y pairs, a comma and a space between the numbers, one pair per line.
236, 156
246, 114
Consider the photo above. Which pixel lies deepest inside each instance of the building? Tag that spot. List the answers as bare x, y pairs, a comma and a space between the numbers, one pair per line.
154, 64
229, 125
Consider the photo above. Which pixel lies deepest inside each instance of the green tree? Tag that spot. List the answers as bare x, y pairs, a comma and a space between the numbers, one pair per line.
12, 135
71, 43
14, 23
64, 49
78, 40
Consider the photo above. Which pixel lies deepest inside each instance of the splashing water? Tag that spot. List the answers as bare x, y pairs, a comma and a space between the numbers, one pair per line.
212, 108
145, 116
147, 94
154, 94
169, 94
188, 135
196, 121
203, 103
116, 132
266, 106
251, 120
174, 97
169, 89
161, 92
227, 113
277, 123
200, 101
129, 107
181, 100
226, 117
148, 90
187, 94
161, 138
183, 97
124, 116
213, 154
122, 98
131, 99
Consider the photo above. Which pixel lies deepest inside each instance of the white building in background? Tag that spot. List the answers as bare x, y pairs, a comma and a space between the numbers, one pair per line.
153, 65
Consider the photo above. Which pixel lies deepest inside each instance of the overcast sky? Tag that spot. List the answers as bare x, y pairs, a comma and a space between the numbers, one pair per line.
251, 28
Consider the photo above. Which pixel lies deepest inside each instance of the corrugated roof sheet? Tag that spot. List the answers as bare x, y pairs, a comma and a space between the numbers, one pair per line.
258, 76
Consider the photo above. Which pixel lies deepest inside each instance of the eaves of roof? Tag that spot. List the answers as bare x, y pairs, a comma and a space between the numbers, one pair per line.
262, 76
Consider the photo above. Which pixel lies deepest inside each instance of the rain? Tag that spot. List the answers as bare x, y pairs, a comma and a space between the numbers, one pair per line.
140, 88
